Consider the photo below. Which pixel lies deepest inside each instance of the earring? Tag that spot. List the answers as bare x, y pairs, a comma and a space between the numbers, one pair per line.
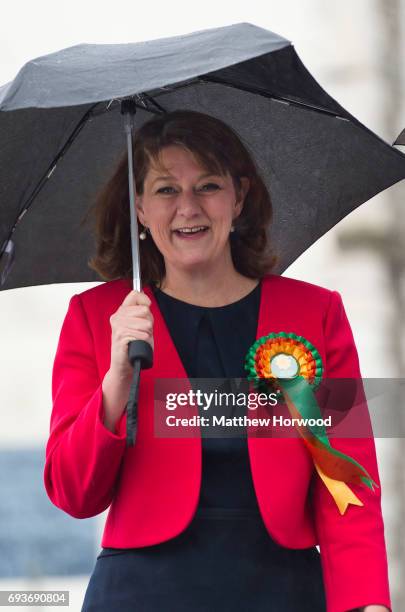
232, 226
142, 235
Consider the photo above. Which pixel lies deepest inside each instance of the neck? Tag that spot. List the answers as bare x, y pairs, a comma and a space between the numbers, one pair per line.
216, 285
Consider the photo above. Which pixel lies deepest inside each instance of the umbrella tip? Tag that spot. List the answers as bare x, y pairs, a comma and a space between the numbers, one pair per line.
6, 260
400, 139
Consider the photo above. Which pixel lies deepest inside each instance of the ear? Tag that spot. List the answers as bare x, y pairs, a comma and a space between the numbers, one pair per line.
139, 209
244, 188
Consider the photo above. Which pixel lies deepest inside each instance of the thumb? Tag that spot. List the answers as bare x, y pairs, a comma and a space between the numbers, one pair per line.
136, 297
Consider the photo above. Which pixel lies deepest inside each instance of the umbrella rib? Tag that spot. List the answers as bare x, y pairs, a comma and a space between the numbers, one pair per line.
153, 102
261, 92
48, 173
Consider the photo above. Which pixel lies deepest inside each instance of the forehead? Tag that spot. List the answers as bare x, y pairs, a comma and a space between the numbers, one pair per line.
174, 161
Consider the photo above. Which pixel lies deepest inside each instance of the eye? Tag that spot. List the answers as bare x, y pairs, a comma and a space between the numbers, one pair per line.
211, 185
162, 189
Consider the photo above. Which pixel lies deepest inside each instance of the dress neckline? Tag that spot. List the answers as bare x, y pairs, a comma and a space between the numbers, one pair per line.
170, 298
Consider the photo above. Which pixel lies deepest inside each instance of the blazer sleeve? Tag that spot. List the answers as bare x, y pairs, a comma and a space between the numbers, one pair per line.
82, 456
352, 545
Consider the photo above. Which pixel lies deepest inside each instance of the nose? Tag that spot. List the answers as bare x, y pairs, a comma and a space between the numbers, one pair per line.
188, 204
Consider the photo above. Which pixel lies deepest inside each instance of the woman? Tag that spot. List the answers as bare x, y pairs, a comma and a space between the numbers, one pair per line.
202, 523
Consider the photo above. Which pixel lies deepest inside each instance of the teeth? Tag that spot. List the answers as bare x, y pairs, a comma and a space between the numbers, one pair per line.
191, 230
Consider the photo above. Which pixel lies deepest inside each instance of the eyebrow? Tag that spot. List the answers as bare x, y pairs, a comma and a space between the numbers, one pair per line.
168, 177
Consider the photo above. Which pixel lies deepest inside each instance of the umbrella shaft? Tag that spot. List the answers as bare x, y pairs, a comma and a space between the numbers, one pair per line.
134, 224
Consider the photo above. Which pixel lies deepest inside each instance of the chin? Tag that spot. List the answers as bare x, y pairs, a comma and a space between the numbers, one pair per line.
192, 264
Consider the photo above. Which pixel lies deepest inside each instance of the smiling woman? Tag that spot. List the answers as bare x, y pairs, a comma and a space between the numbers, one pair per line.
226, 523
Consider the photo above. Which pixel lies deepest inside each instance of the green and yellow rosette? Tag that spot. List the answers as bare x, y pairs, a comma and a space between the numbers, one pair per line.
292, 367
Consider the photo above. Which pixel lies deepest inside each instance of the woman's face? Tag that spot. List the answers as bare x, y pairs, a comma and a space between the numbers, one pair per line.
184, 197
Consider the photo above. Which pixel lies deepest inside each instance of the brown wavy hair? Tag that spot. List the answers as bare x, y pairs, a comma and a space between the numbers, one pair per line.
218, 149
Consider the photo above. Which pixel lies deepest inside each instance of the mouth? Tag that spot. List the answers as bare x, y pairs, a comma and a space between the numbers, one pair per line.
190, 233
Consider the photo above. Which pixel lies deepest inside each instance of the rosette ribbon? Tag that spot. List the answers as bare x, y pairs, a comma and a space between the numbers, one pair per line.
292, 366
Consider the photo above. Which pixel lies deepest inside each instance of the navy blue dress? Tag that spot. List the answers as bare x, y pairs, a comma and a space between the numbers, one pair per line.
225, 560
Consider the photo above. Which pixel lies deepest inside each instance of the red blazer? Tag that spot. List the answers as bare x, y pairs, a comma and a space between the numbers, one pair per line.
153, 488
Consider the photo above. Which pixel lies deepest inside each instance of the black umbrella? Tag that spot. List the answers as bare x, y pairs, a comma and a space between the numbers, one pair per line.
61, 126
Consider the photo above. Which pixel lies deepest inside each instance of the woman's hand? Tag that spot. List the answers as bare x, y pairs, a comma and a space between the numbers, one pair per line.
132, 321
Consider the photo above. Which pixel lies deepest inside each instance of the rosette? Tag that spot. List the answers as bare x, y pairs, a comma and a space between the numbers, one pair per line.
291, 366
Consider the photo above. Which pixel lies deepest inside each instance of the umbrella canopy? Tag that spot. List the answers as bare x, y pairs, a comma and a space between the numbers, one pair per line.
62, 132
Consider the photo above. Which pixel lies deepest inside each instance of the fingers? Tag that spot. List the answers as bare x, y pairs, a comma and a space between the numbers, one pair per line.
136, 298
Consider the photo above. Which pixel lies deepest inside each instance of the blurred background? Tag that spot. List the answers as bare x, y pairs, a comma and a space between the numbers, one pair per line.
354, 51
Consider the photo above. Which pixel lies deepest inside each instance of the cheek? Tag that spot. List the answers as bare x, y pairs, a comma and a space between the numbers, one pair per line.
222, 219
220, 209
159, 217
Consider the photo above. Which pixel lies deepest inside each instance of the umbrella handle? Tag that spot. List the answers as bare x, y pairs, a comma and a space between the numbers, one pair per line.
140, 355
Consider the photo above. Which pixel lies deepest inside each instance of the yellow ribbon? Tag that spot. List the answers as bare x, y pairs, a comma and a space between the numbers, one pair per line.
339, 490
